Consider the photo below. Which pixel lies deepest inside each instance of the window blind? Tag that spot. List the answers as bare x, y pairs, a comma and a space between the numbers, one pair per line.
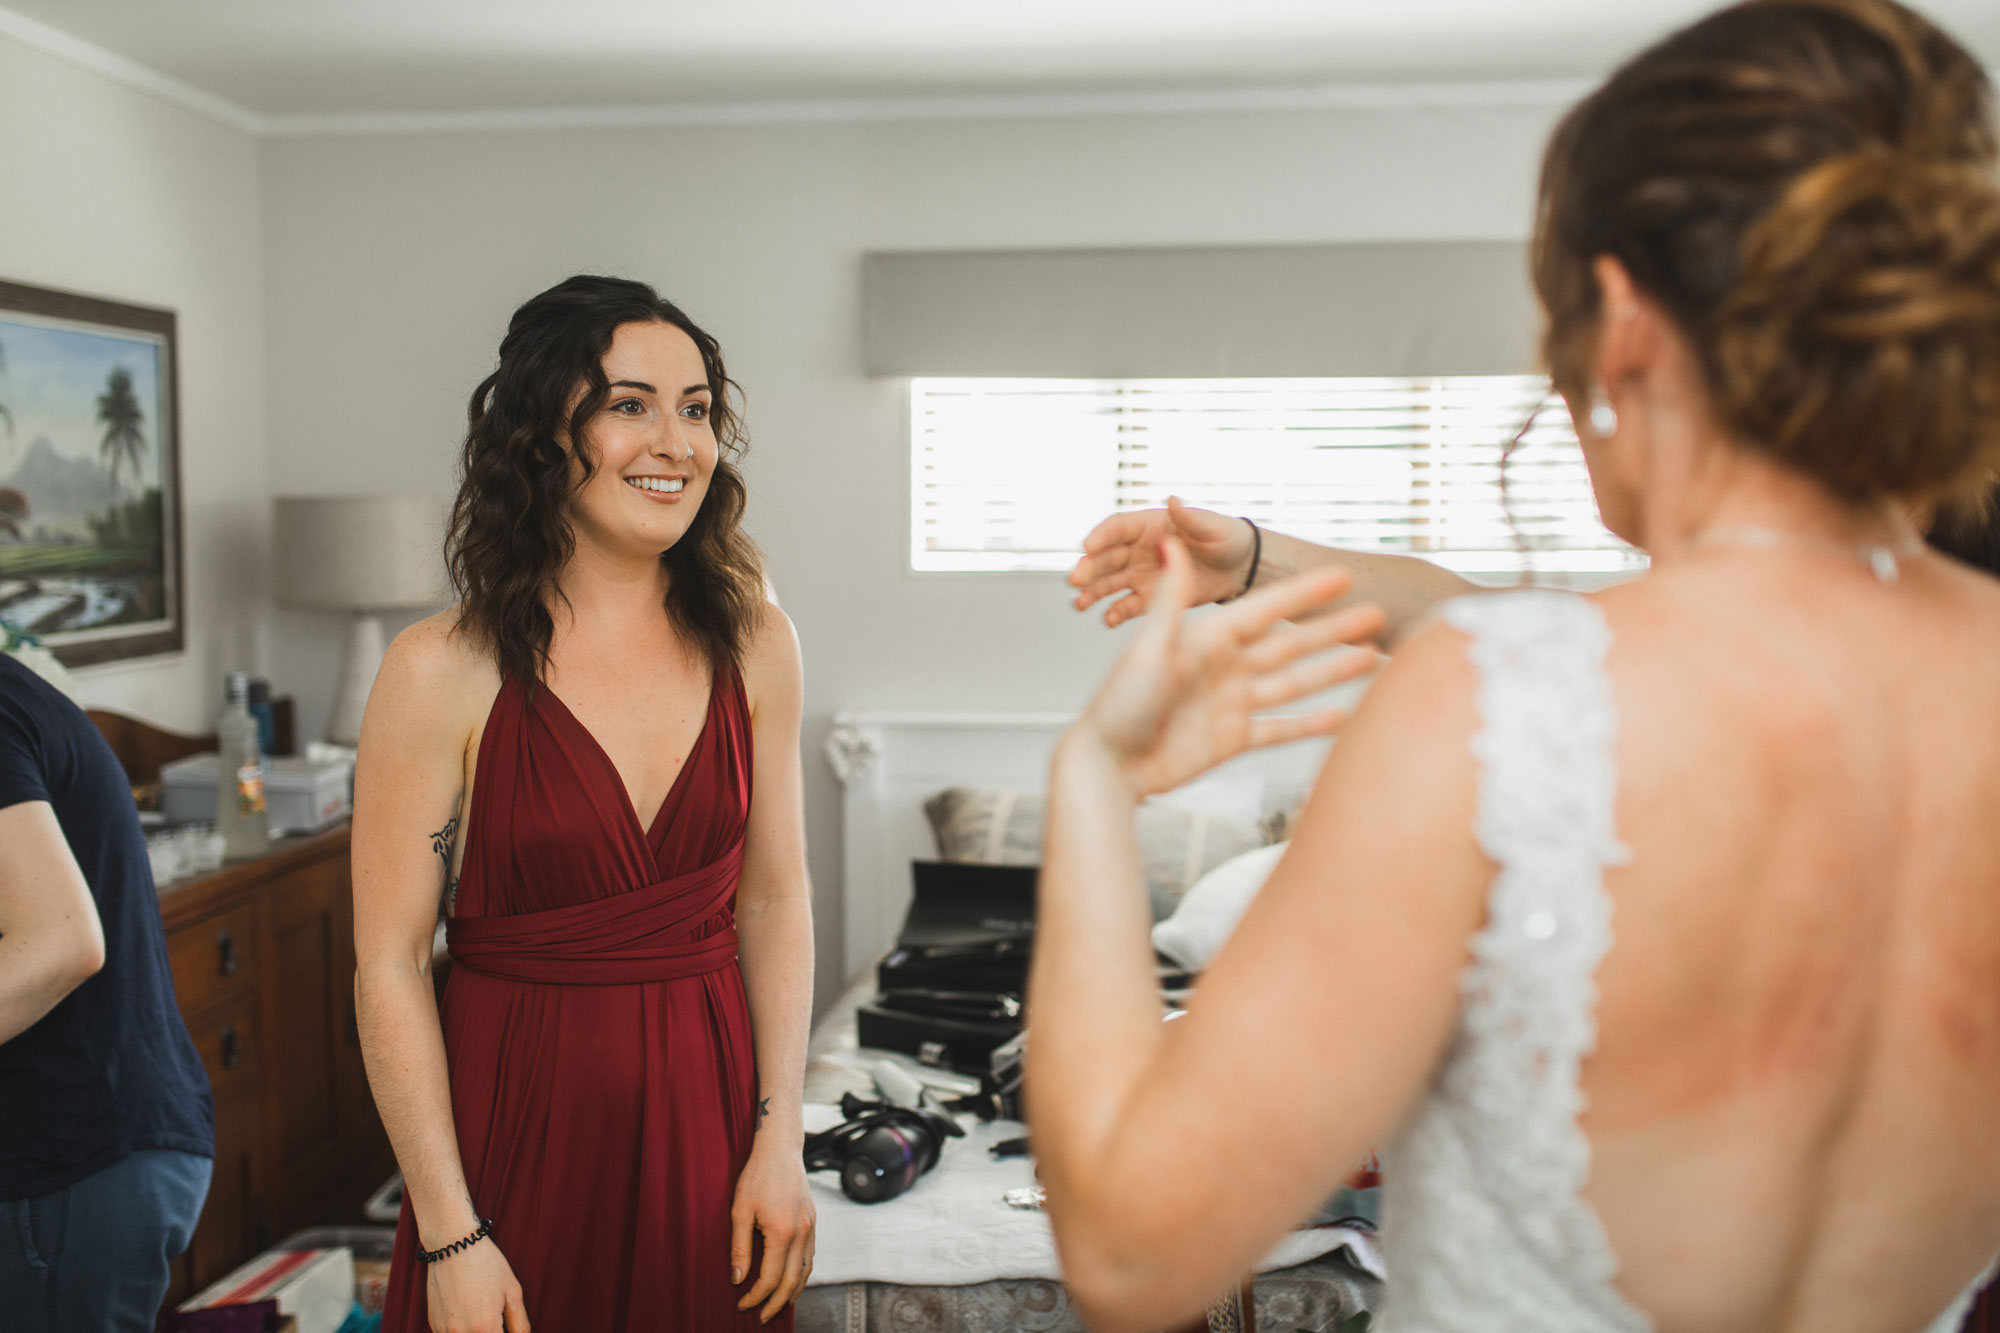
1009, 474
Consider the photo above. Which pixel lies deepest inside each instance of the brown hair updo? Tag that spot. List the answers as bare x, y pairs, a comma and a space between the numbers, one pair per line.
1808, 189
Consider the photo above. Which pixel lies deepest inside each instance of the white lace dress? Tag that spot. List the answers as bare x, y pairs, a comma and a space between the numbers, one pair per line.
1486, 1229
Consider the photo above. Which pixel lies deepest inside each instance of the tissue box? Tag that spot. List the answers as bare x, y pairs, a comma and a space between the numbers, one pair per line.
300, 796
315, 1287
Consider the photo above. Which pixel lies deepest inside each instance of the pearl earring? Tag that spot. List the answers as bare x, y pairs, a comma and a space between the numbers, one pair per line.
1603, 416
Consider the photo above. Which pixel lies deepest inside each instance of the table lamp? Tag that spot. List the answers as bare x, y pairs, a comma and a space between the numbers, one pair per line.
361, 554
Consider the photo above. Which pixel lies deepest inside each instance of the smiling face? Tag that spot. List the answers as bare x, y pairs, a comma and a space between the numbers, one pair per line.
651, 444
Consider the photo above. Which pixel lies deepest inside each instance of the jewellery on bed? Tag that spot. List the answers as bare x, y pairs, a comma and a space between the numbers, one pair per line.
1256, 554
1883, 561
445, 1252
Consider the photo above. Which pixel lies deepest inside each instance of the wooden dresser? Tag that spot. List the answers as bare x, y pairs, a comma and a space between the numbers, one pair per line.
262, 953
263, 962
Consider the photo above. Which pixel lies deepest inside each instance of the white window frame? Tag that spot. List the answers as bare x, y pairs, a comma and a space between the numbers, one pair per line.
1583, 568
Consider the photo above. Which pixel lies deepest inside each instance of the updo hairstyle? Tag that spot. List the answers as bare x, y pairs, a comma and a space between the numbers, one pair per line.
1808, 189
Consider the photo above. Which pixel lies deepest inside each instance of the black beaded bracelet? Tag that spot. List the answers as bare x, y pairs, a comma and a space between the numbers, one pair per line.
432, 1256
1256, 554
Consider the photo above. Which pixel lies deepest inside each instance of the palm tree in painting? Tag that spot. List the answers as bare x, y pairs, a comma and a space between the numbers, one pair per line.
124, 422
13, 509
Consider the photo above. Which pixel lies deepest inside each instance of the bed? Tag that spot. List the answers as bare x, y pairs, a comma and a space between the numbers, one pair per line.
948, 1255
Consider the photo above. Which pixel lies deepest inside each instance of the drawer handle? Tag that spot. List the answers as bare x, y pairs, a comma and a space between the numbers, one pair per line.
226, 961
232, 1047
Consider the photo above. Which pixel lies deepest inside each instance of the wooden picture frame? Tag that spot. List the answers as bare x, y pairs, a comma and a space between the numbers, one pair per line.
91, 538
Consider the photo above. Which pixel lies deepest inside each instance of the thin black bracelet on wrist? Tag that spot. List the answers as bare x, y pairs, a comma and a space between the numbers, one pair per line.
1256, 554
432, 1256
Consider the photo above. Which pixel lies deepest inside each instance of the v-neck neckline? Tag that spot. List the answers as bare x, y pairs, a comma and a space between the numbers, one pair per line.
645, 830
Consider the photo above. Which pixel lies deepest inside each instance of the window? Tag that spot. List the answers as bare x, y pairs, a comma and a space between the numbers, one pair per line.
1009, 474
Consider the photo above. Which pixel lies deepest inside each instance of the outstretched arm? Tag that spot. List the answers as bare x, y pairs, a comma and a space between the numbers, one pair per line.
1121, 560
1176, 1154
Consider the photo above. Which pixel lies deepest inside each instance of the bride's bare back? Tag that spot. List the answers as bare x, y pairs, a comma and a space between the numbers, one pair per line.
1794, 1102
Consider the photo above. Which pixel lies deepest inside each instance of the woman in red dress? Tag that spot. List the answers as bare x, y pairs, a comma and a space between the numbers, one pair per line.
599, 1129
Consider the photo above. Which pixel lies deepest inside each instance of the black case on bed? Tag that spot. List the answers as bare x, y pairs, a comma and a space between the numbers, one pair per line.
969, 928
954, 1043
951, 989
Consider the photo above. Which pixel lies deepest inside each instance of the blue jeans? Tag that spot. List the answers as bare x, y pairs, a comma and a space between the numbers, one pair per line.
94, 1256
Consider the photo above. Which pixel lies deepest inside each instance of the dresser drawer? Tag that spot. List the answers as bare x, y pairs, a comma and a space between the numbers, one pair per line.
229, 1049
213, 956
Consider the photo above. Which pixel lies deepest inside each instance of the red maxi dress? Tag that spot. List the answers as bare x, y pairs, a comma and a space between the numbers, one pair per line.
603, 1082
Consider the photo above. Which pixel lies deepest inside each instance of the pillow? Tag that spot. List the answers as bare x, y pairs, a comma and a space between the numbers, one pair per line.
1237, 796
1176, 847
1209, 911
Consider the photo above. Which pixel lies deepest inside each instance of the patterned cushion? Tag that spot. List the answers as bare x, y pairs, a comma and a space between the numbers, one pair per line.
1177, 847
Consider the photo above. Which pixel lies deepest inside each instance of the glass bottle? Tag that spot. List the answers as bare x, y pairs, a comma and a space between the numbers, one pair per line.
239, 777
260, 709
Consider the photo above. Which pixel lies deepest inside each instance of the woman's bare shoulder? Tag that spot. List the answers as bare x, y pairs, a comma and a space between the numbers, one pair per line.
771, 661
437, 668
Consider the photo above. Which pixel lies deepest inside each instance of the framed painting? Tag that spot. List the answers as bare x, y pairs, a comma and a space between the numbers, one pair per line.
90, 486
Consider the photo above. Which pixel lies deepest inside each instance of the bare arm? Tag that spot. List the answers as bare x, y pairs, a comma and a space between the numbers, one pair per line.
1175, 1155
51, 940
1121, 556
407, 789
775, 946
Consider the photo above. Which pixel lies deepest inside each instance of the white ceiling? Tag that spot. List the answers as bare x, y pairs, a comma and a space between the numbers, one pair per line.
293, 59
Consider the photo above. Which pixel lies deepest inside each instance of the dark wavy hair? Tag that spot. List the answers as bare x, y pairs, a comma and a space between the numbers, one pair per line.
510, 531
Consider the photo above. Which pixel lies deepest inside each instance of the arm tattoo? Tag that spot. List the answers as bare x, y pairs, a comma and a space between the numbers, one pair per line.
441, 843
441, 840
763, 1109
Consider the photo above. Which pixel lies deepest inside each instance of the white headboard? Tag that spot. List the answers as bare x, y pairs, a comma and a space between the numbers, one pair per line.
889, 762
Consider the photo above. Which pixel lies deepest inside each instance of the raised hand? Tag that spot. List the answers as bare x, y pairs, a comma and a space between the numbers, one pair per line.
1186, 694
773, 1199
474, 1291
1122, 555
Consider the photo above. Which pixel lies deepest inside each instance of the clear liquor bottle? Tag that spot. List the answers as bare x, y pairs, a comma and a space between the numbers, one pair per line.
239, 778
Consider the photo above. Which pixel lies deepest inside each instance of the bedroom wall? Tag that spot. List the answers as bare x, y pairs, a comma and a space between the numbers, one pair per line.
393, 263
112, 192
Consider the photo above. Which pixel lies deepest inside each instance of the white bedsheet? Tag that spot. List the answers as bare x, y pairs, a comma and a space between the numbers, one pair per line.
951, 1228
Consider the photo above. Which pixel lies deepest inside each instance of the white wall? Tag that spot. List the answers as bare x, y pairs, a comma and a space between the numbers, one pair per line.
394, 262
111, 192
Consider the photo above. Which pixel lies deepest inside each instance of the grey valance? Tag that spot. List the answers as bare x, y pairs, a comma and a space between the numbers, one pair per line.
1404, 308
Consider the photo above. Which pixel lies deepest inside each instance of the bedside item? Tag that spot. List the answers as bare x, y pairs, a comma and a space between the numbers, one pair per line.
880, 1148
315, 1287
385, 1204
186, 849
301, 796
259, 703
17, 642
239, 777
1210, 910
951, 989
361, 554
1230, 794
1177, 846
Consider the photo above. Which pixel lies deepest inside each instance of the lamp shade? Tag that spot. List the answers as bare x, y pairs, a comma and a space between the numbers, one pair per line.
359, 552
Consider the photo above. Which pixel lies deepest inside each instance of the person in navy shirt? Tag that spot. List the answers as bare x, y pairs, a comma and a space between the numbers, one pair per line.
107, 1130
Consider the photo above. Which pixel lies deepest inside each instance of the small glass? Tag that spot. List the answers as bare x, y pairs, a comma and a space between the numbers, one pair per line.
165, 853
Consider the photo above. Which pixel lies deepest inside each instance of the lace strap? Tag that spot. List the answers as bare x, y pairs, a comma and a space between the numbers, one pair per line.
1547, 793
1548, 776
